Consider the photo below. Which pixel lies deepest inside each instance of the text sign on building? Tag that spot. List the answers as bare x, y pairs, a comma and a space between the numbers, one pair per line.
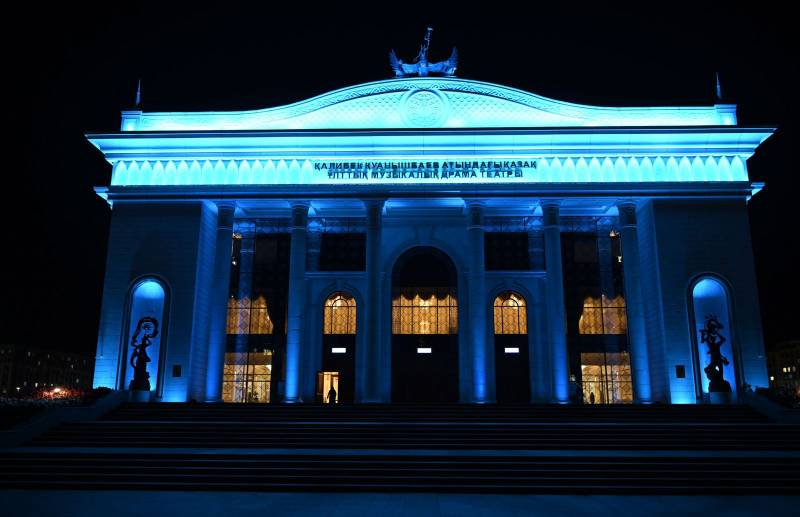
424, 171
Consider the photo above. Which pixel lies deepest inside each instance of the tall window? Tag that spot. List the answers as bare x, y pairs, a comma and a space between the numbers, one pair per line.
425, 311
246, 317
340, 314
510, 314
603, 316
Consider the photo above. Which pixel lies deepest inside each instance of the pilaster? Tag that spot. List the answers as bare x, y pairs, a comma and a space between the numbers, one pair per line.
218, 306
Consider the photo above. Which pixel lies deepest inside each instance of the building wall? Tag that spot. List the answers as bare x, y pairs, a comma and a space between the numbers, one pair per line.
679, 240
683, 240
168, 241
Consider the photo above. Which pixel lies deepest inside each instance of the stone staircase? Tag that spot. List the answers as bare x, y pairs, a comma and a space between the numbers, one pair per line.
688, 449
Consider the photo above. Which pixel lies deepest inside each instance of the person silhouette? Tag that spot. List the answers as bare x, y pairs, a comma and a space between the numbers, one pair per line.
332, 395
591, 398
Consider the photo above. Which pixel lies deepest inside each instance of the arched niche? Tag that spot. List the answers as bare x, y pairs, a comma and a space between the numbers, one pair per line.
147, 305
712, 329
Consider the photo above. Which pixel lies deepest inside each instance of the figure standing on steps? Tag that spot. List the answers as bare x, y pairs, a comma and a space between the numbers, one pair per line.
332, 395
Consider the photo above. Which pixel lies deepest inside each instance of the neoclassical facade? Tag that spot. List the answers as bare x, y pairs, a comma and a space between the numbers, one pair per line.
432, 240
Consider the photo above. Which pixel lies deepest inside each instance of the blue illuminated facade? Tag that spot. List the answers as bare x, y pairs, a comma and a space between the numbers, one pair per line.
618, 228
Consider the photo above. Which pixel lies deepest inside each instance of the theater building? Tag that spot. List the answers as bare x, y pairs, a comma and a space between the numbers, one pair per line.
431, 239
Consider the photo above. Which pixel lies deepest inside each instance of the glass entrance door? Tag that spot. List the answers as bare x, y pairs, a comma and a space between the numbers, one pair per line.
247, 377
606, 378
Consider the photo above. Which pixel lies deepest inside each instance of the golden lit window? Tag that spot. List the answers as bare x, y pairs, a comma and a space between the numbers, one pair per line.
510, 314
246, 317
247, 376
425, 311
603, 316
340, 314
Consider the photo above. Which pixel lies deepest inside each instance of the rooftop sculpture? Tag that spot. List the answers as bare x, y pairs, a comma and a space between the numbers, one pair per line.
421, 66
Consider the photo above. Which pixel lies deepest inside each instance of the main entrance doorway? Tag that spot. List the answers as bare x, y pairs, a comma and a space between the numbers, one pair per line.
339, 345
511, 348
424, 327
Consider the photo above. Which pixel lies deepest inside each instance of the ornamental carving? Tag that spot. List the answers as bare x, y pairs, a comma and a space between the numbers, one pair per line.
424, 108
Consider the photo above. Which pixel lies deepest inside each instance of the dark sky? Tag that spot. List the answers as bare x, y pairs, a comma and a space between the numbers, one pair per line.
76, 68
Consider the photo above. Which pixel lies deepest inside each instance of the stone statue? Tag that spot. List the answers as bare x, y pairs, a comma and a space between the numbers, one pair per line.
148, 328
421, 66
710, 334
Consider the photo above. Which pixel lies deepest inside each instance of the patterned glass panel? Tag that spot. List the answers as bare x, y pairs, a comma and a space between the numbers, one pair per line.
246, 376
510, 314
260, 322
606, 378
603, 316
425, 312
249, 318
340, 314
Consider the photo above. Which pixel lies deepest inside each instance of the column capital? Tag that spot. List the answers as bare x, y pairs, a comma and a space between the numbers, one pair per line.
225, 213
372, 202
225, 204
374, 208
475, 208
299, 213
551, 209
627, 213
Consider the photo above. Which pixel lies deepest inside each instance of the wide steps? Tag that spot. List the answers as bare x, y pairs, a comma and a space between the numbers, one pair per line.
434, 413
447, 448
412, 435
656, 475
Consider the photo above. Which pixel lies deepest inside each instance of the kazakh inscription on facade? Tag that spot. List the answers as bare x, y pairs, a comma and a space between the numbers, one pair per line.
428, 171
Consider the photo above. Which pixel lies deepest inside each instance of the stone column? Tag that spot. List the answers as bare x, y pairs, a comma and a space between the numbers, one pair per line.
245, 288
637, 336
218, 301
555, 302
297, 300
314, 249
369, 356
481, 360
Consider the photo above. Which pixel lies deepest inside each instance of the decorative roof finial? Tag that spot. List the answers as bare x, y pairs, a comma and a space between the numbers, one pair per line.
421, 66
138, 94
719, 88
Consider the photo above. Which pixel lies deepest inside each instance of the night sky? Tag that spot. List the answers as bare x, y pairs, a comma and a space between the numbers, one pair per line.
77, 67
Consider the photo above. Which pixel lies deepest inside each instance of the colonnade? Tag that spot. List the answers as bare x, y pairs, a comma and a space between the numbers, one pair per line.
368, 385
